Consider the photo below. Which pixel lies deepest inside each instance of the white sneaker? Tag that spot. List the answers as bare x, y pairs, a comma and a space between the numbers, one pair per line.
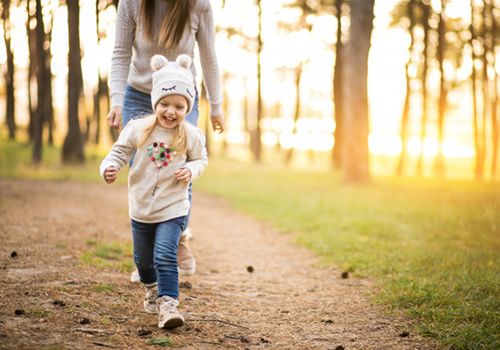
168, 316
150, 305
134, 276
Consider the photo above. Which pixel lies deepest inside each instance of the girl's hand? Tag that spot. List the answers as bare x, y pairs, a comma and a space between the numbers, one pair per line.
217, 123
183, 174
110, 174
115, 117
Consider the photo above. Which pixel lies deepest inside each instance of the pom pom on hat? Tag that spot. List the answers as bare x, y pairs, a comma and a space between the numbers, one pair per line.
158, 62
172, 77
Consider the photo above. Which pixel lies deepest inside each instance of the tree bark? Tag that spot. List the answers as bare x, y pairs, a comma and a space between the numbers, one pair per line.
40, 116
32, 69
298, 76
494, 99
485, 81
10, 117
205, 110
255, 140
225, 110
338, 99
477, 140
443, 92
423, 127
355, 155
102, 85
49, 109
406, 106
73, 143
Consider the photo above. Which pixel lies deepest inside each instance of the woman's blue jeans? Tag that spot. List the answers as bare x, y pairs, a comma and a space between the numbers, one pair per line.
137, 104
155, 253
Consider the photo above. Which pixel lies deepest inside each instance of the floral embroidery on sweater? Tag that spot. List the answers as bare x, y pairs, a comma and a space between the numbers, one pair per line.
161, 155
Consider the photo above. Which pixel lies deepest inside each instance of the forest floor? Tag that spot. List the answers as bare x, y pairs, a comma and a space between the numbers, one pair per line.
253, 288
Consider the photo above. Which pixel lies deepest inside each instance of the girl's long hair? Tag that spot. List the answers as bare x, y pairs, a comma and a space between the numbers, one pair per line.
174, 22
178, 141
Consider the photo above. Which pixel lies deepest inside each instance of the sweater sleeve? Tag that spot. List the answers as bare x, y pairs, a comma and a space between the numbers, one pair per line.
122, 150
197, 158
208, 58
122, 52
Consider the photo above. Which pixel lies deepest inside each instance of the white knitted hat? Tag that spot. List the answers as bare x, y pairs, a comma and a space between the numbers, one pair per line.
174, 77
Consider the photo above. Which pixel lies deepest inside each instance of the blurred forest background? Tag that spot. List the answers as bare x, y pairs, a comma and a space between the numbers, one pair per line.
406, 87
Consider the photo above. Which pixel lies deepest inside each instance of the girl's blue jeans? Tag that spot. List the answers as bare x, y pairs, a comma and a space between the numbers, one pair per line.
137, 104
155, 253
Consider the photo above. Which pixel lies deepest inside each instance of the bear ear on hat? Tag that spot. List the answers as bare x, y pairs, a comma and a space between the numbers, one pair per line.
184, 61
158, 62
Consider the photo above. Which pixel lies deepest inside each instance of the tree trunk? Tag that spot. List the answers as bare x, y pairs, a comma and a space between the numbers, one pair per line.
443, 92
477, 141
100, 96
246, 104
49, 109
423, 127
494, 99
205, 110
32, 69
298, 76
225, 110
102, 86
405, 118
255, 141
338, 99
73, 143
40, 116
485, 86
355, 155
97, 94
9, 74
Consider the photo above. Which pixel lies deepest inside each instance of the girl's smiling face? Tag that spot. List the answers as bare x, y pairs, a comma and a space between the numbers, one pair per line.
171, 111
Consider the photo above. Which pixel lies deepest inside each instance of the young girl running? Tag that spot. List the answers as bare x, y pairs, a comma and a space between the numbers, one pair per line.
169, 154
170, 28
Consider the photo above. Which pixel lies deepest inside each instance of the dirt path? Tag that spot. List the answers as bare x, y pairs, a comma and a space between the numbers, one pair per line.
61, 303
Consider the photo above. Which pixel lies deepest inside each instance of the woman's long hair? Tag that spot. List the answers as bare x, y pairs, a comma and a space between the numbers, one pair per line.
174, 22
178, 142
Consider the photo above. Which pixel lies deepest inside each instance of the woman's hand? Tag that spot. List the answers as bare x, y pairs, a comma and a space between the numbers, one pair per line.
115, 117
110, 174
217, 123
183, 174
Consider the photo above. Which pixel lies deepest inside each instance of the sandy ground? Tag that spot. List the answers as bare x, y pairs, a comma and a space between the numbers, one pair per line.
50, 299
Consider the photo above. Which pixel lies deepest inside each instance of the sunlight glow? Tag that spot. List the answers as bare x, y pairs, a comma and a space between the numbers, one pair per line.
283, 51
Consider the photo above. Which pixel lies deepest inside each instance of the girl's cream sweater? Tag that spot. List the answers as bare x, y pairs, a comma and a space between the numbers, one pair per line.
154, 194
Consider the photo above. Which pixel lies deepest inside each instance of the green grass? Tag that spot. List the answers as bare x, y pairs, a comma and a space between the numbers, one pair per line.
108, 255
103, 288
15, 161
160, 341
39, 313
432, 247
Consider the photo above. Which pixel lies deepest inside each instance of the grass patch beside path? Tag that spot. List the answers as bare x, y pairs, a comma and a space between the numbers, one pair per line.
108, 255
432, 247
15, 161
